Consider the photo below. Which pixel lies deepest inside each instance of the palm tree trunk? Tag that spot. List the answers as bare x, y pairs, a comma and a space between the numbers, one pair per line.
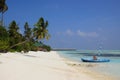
18, 44
2, 19
21, 42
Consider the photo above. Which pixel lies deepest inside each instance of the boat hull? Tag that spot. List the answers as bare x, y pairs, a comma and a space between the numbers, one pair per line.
92, 60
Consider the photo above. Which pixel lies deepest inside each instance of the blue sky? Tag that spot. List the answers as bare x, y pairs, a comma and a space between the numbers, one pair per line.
81, 24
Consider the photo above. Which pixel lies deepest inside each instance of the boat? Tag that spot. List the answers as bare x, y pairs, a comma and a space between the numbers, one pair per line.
94, 60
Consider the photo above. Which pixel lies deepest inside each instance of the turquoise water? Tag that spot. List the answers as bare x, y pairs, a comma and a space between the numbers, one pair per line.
111, 68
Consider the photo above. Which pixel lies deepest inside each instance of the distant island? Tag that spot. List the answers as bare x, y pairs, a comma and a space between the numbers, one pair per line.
64, 49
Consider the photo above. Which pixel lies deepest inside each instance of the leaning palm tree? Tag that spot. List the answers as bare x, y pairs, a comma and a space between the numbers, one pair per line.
14, 35
3, 8
40, 31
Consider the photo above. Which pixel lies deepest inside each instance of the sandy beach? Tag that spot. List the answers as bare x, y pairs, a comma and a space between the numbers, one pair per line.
42, 66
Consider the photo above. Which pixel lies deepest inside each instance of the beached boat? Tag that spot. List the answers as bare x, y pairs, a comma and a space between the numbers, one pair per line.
92, 60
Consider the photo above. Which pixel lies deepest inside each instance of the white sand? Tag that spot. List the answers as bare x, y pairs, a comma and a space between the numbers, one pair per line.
39, 66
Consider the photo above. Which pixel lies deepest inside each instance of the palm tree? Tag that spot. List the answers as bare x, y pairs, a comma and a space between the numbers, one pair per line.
40, 31
14, 35
28, 31
3, 8
13, 30
27, 36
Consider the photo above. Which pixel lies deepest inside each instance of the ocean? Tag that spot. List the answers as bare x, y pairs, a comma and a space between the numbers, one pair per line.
111, 68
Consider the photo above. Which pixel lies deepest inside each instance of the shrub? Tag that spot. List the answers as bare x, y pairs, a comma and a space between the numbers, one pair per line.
4, 44
4, 39
47, 47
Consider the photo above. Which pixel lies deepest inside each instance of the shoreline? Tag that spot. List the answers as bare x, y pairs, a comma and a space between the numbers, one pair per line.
85, 68
42, 66
103, 69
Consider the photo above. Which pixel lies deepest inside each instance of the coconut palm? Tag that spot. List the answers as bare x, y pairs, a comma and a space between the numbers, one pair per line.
3, 8
27, 32
13, 30
40, 31
14, 35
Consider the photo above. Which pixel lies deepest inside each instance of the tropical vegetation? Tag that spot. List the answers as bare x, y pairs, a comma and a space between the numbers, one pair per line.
11, 39
3, 9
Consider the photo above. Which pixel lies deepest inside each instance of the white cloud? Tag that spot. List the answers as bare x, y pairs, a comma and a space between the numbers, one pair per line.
69, 32
81, 33
78, 33
93, 34
87, 34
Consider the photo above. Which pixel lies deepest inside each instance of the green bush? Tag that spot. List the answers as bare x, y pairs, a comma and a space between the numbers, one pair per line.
4, 39
12, 50
4, 44
3, 33
47, 47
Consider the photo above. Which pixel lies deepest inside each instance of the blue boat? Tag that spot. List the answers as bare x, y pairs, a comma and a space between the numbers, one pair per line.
92, 60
